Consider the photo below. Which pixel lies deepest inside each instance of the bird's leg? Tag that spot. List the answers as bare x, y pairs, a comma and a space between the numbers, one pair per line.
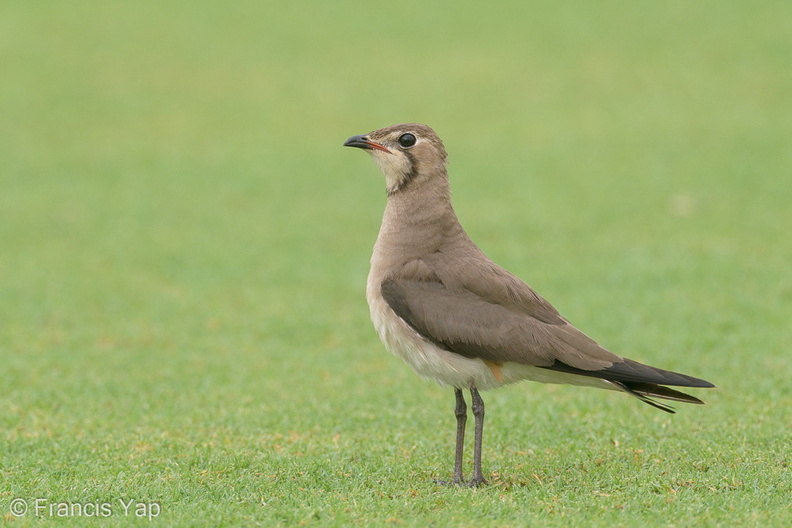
460, 410
478, 413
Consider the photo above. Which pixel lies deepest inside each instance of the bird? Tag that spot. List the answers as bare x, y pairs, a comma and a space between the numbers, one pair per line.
454, 316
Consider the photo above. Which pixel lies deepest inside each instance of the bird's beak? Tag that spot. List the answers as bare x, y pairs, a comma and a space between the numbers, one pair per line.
364, 143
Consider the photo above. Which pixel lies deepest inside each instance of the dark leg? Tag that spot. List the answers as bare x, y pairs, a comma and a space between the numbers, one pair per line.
478, 414
460, 410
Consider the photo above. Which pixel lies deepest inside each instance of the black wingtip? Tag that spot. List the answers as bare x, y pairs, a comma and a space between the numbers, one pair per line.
629, 371
646, 391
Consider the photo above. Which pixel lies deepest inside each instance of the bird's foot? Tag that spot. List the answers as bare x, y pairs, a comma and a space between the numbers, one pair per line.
455, 482
475, 482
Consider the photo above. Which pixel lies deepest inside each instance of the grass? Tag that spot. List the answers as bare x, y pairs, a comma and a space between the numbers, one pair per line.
184, 244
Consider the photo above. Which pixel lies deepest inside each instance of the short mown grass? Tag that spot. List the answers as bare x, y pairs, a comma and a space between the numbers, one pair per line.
184, 245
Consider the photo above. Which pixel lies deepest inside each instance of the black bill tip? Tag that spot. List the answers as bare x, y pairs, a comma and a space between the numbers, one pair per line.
364, 143
357, 141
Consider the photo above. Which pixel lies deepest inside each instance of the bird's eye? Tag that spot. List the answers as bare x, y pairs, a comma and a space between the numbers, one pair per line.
407, 140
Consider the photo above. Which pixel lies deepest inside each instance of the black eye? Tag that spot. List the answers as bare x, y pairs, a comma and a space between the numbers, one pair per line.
407, 140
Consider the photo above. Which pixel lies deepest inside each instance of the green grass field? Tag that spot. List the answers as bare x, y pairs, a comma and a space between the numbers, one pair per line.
184, 245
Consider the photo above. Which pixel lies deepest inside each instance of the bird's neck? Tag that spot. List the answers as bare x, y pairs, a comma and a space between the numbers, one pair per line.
419, 219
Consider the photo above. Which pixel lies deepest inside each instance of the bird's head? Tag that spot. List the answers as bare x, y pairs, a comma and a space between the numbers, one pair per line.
403, 152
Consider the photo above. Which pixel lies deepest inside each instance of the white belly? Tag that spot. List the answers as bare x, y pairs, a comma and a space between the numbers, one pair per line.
426, 359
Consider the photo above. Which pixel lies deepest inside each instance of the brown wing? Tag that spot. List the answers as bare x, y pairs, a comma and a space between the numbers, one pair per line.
468, 324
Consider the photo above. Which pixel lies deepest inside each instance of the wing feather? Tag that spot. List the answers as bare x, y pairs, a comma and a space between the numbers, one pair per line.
474, 326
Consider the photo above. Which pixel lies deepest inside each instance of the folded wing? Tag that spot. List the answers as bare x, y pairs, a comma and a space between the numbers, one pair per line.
466, 323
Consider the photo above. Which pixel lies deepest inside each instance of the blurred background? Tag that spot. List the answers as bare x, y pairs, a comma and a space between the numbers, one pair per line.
183, 240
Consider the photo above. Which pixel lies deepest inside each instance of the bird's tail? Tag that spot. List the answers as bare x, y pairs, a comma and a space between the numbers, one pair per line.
646, 391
